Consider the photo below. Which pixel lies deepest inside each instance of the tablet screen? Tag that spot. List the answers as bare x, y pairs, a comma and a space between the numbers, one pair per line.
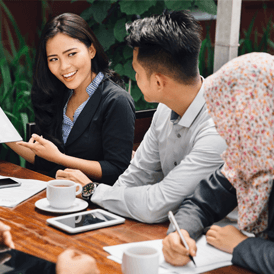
84, 220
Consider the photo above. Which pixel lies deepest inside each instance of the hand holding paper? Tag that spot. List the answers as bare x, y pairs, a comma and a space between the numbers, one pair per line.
8, 133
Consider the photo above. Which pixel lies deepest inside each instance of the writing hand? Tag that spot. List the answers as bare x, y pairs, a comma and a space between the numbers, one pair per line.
73, 175
174, 251
224, 238
75, 262
42, 148
5, 236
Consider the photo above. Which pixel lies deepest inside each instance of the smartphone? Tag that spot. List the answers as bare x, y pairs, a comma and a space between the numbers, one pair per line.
8, 182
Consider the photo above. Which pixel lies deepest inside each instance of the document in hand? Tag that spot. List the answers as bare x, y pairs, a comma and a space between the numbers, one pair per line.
8, 133
206, 259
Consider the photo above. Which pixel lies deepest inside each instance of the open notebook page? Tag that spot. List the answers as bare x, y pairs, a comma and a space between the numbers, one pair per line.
206, 259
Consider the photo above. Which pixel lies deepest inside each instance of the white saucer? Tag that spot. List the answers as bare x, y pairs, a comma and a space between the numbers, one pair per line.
78, 205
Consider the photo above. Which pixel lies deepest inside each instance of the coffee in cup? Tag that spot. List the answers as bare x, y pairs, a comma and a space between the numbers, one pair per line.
61, 193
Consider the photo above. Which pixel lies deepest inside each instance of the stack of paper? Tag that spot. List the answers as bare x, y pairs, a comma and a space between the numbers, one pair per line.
13, 196
206, 259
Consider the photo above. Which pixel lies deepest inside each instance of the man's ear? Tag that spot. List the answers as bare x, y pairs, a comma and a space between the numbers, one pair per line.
160, 81
92, 51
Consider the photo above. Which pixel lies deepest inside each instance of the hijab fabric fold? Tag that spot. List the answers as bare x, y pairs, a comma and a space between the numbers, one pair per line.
240, 99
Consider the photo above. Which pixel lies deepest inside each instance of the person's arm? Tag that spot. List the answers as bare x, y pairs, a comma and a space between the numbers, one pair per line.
147, 196
256, 254
211, 201
24, 152
49, 151
74, 262
117, 136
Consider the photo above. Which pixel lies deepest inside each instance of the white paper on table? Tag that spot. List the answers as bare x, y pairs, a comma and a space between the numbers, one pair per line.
8, 133
12, 196
206, 259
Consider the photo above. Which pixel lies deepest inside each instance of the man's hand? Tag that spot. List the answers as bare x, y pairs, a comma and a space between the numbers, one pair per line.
5, 236
75, 262
73, 175
224, 238
43, 148
174, 251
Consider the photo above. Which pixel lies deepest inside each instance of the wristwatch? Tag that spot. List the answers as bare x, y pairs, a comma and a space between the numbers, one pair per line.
88, 190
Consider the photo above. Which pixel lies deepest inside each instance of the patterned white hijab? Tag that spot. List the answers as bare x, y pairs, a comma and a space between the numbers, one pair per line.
240, 99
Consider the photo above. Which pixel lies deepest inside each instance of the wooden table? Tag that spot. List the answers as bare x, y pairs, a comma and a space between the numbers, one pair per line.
32, 235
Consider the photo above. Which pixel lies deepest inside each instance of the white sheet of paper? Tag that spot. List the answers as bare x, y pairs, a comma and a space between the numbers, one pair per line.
12, 196
8, 133
206, 259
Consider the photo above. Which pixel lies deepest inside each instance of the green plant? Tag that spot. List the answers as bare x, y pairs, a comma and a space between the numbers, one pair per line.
252, 44
206, 57
107, 19
15, 84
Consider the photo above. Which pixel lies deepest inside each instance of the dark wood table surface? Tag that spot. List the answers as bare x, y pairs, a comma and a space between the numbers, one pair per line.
31, 234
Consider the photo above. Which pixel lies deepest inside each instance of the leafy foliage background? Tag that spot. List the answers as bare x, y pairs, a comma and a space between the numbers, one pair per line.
108, 18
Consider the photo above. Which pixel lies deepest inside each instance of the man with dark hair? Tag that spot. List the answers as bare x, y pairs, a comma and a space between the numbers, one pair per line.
181, 146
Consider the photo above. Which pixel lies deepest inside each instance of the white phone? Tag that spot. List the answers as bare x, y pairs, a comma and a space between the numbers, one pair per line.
87, 220
8, 182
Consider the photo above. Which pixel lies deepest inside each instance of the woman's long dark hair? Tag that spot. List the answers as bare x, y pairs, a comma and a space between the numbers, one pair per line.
48, 93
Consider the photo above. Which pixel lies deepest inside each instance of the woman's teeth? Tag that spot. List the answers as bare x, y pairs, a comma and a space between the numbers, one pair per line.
69, 74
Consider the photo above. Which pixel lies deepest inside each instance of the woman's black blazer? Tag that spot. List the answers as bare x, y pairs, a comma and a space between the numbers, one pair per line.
103, 132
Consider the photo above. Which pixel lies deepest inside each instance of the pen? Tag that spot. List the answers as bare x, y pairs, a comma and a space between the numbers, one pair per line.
173, 221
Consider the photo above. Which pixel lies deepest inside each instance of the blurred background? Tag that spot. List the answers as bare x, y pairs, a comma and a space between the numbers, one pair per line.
21, 22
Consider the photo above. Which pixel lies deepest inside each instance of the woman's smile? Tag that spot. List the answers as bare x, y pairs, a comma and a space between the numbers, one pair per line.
69, 76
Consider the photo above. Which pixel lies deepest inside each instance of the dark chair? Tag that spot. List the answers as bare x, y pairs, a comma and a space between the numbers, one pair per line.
142, 124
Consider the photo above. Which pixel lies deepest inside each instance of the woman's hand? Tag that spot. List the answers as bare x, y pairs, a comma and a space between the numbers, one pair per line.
73, 175
174, 251
225, 238
43, 148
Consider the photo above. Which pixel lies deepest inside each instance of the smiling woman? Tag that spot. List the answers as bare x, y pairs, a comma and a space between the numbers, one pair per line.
85, 118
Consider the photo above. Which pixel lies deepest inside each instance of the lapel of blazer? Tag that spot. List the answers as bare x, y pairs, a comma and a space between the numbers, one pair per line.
86, 115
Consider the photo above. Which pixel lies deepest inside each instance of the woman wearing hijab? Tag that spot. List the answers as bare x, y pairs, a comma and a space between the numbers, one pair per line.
240, 99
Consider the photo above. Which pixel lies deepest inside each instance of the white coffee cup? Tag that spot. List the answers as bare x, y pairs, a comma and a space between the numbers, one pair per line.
140, 260
62, 193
